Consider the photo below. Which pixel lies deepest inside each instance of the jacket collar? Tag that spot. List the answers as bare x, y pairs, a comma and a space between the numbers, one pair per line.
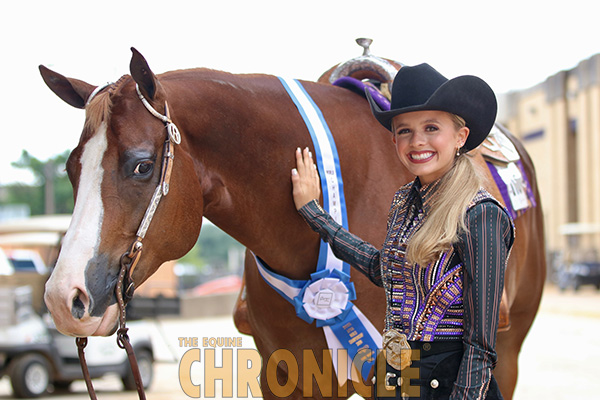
424, 195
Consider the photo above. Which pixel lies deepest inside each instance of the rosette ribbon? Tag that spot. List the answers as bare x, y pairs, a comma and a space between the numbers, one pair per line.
326, 298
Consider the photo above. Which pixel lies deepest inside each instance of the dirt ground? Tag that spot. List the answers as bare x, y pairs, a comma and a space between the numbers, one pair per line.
559, 359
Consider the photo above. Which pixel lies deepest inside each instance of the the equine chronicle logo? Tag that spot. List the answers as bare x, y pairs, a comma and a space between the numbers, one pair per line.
223, 365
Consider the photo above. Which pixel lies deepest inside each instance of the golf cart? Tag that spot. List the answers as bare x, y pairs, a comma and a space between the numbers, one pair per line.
36, 356
33, 354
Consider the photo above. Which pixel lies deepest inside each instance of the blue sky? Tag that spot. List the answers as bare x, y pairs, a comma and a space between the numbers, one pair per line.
510, 44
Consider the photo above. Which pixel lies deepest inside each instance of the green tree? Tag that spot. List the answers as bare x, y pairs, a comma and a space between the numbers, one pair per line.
51, 192
212, 248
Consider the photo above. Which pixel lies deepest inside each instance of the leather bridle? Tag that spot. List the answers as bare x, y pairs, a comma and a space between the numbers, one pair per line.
125, 286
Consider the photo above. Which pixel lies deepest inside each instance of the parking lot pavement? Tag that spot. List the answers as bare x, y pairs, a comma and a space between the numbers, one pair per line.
558, 360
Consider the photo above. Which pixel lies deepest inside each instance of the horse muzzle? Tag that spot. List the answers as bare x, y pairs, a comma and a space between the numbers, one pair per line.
74, 311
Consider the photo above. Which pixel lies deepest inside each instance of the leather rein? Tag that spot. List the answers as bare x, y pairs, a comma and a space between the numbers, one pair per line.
125, 286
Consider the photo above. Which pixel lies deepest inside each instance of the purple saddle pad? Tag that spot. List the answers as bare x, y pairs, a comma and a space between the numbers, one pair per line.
359, 87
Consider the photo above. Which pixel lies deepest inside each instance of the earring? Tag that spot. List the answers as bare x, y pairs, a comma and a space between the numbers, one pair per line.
457, 152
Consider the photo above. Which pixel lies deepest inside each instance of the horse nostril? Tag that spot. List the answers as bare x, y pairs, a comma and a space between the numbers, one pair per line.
78, 308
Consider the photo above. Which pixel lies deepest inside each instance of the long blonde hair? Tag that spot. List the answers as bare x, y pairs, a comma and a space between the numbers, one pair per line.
446, 220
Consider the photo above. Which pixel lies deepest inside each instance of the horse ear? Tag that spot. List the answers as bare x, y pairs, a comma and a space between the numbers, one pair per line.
72, 91
142, 75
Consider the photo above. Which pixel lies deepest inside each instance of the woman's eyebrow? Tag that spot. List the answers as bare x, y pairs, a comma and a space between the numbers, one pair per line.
427, 121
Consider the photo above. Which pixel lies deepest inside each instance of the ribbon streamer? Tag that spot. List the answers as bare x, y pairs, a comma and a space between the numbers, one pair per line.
327, 297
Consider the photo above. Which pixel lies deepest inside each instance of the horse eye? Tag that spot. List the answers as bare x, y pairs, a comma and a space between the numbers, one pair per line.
143, 168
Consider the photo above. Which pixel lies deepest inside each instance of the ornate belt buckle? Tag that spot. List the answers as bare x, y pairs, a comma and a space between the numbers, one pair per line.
397, 349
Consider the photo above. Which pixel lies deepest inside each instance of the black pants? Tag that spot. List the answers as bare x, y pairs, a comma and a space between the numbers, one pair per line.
430, 377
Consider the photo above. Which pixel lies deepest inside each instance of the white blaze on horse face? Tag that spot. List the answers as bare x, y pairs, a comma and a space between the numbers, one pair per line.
66, 285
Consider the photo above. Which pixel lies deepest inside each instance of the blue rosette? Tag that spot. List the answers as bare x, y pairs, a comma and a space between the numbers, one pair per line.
326, 297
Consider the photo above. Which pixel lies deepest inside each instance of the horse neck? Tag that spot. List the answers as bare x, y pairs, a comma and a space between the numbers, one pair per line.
243, 155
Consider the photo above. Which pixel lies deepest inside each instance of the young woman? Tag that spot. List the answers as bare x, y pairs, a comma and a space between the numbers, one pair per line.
443, 260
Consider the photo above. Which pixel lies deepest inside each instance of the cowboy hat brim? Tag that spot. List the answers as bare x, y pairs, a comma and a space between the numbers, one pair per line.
466, 96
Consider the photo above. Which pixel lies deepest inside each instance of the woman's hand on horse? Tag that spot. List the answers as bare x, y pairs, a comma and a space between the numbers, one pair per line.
305, 179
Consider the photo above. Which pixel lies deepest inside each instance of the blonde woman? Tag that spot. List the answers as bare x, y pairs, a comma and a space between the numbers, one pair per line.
443, 260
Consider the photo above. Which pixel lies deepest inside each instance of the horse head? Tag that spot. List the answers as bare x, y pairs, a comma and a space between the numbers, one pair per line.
115, 171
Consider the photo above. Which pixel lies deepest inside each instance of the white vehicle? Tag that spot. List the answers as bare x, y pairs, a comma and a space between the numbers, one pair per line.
35, 355
27, 261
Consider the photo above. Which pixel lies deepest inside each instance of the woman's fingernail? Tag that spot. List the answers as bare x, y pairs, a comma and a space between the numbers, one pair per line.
298, 149
294, 171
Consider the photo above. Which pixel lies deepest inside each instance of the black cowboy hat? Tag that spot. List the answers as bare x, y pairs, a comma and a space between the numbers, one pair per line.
422, 88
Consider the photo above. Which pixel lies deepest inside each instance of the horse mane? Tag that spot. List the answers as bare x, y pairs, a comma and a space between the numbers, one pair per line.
100, 108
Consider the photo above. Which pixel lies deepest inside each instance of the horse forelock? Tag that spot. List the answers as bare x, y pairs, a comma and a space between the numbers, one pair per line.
100, 108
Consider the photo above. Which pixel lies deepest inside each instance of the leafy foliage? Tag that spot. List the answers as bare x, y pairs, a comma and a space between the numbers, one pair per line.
50, 172
212, 248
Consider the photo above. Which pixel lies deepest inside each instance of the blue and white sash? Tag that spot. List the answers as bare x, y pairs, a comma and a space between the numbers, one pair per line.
327, 296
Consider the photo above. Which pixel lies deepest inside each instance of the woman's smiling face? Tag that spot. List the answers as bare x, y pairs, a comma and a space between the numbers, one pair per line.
426, 142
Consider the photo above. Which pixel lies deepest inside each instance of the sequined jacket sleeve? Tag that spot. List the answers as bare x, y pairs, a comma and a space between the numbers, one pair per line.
484, 250
345, 245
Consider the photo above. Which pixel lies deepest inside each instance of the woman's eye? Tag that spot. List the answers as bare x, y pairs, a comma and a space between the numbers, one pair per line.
402, 131
431, 128
143, 168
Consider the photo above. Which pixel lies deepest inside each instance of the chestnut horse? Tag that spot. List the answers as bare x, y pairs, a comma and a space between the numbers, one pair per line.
238, 135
